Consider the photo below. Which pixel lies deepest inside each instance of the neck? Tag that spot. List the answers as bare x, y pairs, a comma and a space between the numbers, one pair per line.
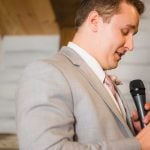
83, 39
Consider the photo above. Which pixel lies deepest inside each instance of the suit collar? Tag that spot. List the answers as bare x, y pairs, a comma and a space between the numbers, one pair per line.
94, 82
71, 55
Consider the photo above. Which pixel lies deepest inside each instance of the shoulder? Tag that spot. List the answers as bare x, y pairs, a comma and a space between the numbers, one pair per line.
41, 70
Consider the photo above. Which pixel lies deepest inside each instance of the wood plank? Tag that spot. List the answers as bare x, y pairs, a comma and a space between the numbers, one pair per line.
8, 142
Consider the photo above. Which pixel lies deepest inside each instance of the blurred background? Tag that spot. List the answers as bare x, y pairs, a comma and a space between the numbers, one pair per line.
36, 29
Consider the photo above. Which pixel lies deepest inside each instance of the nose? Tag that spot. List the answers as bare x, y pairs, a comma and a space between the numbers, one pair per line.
129, 44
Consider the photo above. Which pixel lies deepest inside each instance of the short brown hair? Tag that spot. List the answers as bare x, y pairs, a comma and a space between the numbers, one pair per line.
106, 8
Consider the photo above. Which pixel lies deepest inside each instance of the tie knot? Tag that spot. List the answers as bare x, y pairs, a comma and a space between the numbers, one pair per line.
108, 80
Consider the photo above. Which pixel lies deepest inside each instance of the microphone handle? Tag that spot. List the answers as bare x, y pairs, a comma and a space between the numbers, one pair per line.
140, 102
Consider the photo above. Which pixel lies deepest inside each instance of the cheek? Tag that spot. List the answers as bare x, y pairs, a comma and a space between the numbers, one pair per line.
115, 37
119, 38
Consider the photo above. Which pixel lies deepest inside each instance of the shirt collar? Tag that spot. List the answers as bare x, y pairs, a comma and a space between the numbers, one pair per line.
90, 60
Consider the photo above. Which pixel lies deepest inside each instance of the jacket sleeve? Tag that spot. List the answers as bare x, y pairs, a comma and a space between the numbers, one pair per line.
45, 119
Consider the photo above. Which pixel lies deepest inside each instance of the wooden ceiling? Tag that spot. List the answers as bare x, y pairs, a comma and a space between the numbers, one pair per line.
26, 17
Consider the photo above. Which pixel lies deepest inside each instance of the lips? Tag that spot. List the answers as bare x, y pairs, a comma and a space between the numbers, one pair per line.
119, 55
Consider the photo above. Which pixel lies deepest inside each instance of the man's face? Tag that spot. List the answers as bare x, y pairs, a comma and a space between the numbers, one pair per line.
115, 38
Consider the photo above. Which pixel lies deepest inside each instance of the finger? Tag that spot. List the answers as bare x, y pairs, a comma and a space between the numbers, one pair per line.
147, 106
146, 119
137, 125
135, 115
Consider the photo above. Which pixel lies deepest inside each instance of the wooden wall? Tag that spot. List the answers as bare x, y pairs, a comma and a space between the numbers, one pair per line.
27, 17
66, 34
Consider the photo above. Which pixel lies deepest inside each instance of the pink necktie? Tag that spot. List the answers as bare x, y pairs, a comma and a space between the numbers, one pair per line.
112, 88
110, 85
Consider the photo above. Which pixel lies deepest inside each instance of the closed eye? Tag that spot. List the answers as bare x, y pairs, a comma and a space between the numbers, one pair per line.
125, 31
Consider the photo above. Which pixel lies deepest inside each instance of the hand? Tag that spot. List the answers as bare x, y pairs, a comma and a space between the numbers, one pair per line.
143, 138
135, 118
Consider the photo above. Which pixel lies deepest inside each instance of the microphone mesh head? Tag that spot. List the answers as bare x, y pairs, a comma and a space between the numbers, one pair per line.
137, 87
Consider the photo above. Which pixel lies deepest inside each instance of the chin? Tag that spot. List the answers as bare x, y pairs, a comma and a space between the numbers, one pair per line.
113, 66
110, 68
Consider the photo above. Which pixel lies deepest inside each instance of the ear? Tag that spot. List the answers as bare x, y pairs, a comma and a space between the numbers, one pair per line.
94, 20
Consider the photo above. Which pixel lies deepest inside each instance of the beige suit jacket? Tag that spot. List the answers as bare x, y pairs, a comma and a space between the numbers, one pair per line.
62, 105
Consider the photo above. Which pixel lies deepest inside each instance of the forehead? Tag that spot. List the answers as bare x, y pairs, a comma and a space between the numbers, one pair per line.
127, 15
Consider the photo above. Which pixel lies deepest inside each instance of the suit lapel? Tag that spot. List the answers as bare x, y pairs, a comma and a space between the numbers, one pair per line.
101, 90
128, 112
94, 82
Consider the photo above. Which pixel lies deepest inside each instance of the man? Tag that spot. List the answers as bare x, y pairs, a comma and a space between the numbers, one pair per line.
64, 103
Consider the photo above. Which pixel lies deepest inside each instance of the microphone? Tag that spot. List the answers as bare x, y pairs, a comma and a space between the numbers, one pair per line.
137, 91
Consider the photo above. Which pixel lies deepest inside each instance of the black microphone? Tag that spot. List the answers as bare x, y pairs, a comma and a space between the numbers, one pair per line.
137, 91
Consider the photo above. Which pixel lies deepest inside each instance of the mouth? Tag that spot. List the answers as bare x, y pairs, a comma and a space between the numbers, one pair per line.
119, 55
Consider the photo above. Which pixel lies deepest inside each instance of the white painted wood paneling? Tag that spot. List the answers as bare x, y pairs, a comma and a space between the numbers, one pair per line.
16, 53
8, 90
10, 74
133, 71
30, 43
24, 57
137, 56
